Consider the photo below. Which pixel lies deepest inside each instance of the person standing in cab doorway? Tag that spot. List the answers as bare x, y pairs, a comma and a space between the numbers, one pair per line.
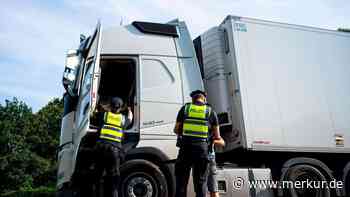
109, 144
196, 121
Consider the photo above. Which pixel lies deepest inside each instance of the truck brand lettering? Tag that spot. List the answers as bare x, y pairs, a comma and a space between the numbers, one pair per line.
153, 122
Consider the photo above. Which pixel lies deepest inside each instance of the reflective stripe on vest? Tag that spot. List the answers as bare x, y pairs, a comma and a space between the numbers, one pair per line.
196, 121
112, 129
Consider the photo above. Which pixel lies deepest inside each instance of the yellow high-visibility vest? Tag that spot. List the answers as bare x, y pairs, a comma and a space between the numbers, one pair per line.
112, 127
196, 123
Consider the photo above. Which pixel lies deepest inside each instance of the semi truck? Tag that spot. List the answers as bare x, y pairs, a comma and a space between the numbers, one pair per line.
281, 92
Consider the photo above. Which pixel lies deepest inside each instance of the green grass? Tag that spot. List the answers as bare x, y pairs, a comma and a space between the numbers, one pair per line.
36, 192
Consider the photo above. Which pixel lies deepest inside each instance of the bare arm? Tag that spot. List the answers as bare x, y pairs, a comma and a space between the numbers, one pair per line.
216, 132
219, 142
178, 129
216, 136
130, 115
179, 121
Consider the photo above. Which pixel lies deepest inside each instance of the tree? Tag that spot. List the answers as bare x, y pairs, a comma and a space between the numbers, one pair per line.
13, 152
344, 29
44, 140
28, 144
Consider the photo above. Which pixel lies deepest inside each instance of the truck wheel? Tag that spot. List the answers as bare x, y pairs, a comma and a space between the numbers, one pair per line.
141, 178
347, 185
64, 193
305, 174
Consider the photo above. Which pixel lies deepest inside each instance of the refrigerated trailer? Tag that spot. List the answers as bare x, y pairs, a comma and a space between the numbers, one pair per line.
281, 92
282, 87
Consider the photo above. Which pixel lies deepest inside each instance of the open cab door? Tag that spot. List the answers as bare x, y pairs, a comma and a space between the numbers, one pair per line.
89, 84
95, 78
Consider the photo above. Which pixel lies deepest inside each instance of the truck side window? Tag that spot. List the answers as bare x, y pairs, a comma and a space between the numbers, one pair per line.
155, 74
87, 78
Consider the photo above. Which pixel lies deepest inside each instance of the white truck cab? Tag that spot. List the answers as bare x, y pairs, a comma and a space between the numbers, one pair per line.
153, 68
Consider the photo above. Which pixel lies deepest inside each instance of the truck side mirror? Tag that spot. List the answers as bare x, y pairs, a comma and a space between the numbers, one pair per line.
82, 38
69, 73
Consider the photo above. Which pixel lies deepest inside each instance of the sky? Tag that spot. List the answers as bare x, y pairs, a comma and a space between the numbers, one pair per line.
35, 35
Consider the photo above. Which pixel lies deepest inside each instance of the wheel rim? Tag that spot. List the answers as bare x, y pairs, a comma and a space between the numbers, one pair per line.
309, 175
347, 184
308, 192
140, 185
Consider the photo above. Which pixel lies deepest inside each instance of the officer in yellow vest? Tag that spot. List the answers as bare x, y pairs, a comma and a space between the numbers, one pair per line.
195, 122
109, 145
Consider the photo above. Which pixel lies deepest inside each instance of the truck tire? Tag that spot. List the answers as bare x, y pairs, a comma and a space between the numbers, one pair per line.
141, 178
303, 173
347, 185
64, 193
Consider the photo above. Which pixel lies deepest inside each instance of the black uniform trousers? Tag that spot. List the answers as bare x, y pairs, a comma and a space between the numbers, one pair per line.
108, 160
192, 155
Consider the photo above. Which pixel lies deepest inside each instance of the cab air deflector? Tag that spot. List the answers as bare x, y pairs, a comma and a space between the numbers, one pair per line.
156, 28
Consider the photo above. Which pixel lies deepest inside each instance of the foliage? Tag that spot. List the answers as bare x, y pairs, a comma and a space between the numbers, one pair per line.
28, 144
344, 29
37, 192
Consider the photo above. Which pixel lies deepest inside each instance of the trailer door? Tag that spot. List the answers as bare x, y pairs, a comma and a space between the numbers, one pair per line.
90, 81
